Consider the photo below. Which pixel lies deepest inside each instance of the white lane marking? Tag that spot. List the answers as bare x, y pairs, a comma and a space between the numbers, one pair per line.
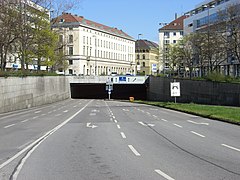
36, 143
118, 126
115, 121
95, 110
198, 134
155, 116
49, 112
148, 113
164, 174
153, 109
142, 123
164, 120
151, 125
92, 114
89, 125
113, 117
198, 123
35, 117
43, 114
177, 125
9, 126
134, 150
26, 120
58, 115
37, 112
126, 110
65, 111
24, 145
123, 135
74, 106
230, 147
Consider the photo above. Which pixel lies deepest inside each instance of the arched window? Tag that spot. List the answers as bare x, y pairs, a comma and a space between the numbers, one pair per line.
143, 64
143, 56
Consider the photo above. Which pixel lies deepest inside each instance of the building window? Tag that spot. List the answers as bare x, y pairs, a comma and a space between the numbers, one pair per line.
144, 64
138, 56
70, 51
84, 50
166, 34
174, 41
70, 39
60, 38
70, 71
143, 56
70, 62
83, 39
174, 33
181, 33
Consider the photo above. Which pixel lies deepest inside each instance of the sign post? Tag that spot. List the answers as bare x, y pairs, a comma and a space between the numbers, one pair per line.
109, 88
175, 90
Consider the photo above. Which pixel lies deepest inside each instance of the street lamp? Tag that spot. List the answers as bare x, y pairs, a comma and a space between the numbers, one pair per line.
138, 64
208, 33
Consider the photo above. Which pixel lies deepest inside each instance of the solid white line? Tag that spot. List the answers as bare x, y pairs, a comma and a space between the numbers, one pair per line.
37, 142
163, 174
164, 120
9, 126
233, 148
118, 126
134, 150
123, 135
177, 125
197, 134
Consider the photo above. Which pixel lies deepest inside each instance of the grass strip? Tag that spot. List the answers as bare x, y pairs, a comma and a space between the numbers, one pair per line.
223, 113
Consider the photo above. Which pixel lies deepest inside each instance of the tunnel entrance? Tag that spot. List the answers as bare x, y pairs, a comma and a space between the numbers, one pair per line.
98, 91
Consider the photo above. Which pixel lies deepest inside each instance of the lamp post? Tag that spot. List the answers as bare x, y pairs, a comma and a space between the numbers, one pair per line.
138, 64
208, 34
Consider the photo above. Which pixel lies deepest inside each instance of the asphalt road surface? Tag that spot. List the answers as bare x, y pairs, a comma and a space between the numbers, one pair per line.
101, 140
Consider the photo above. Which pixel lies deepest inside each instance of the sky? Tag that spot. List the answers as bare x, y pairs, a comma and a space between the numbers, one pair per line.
134, 16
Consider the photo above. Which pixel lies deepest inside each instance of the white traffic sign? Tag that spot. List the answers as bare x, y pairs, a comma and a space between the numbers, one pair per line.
154, 67
175, 89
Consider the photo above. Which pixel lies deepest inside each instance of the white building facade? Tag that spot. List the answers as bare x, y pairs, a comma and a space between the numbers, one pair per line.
94, 49
171, 33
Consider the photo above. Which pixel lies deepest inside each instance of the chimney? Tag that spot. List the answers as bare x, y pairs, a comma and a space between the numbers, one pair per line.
176, 16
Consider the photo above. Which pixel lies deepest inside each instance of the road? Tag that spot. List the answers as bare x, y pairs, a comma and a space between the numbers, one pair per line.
100, 140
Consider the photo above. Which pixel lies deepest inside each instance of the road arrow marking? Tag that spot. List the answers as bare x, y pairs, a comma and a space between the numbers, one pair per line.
198, 123
89, 126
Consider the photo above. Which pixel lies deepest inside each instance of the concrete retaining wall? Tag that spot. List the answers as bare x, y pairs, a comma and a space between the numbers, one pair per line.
203, 92
20, 93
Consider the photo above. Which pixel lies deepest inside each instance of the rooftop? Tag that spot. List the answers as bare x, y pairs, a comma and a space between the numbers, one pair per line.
145, 44
68, 18
177, 24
